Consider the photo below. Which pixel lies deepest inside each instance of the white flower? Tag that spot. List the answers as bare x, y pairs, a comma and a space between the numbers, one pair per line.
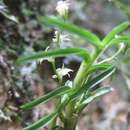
63, 39
62, 8
62, 72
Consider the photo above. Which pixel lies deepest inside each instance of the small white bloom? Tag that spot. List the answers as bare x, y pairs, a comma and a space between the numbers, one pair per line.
62, 72
63, 39
62, 8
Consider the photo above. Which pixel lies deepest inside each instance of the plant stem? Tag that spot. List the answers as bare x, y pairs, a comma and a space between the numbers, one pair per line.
58, 42
71, 118
70, 123
53, 123
80, 77
82, 73
79, 80
58, 76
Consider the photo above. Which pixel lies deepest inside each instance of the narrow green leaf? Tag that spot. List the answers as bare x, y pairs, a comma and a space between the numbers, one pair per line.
47, 119
56, 53
64, 101
89, 36
96, 94
57, 92
102, 66
120, 28
42, 122
99, 78
124, 39
120, 49
74, 93
92, 96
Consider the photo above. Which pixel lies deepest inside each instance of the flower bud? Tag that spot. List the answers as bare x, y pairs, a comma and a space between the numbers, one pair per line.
62, 8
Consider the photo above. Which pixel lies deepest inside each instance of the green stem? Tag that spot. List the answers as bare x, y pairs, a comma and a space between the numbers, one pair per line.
70, 123
53, 123
58, 42
79, 80
80, 77
58, 76
82, 73
71, 119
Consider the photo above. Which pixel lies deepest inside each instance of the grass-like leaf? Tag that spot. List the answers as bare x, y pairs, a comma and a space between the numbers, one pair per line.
124, 39
122, 27
99, 78
55, 53
57, 92
92, 96
42, 122
96, 94
92, 83
76, 92
47, 119
97, 67
89, 36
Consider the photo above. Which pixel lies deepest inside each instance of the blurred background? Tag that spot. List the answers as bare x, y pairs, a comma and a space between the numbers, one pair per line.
22, 34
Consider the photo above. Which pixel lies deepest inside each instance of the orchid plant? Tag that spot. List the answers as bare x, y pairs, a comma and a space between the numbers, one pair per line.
73, 97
